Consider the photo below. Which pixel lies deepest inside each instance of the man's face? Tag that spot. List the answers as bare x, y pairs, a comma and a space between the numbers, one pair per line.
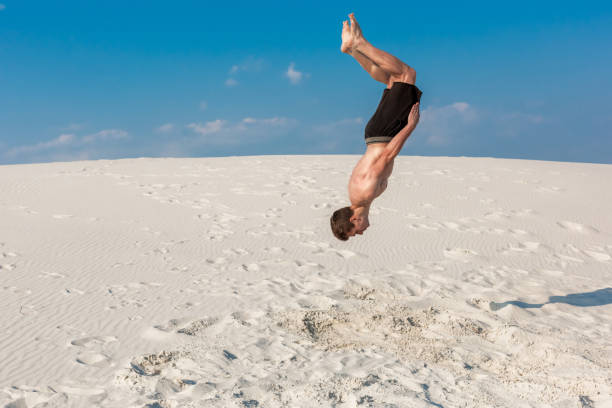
360, 226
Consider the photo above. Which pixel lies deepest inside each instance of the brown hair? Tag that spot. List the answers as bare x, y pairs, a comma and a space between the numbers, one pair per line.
341, 224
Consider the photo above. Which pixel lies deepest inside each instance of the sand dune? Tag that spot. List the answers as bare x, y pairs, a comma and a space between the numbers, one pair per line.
216, 282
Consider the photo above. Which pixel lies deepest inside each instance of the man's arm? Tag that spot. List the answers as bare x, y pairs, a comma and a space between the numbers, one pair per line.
395, 145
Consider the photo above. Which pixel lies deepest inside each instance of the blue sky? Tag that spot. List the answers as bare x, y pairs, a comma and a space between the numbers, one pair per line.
80, 80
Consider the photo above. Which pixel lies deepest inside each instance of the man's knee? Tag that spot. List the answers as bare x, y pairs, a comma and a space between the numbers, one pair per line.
408, 75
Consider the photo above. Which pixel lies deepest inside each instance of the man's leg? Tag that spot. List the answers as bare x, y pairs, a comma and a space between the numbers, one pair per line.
374, 70
396, 69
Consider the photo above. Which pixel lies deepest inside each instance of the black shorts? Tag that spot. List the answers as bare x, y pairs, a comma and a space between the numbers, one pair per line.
392, 113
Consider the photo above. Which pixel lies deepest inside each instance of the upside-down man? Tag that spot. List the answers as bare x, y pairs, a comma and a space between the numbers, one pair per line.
394, 120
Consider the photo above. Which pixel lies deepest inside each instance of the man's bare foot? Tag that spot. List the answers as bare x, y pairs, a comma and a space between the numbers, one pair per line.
355, 31
347, 38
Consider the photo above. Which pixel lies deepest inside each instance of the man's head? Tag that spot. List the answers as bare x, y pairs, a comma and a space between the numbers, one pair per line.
347, 222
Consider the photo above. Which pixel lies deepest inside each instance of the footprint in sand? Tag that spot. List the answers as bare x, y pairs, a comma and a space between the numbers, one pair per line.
529, 247
94, 359
460, 254
325, 247
576, 227
271, 213
297, 234
252, 267
264, 229
508, 214
550, 189
437, 173
16, 290
320, 206
221, 260
179, 269
266, 265
275, 250
185, 326
217, 261
62, 216
598, 256
497, 215
419, 226
88, 392
453, 226
151, 231
127, 295
95, 351
93, 341
567, 258
73, 291
236, 251
25, 209
7, 255
121, 264
307, 265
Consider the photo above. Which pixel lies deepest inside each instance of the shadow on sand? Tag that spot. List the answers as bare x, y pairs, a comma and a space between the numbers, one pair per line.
599, 297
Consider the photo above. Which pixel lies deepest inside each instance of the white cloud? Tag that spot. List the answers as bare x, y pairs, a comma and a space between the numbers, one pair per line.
460, 106
165, 128
2, 6
247, 130
61, 140
63, 147
294, 75
250, 64
442, 124
275, 121
203, 105
207, 128
106, 134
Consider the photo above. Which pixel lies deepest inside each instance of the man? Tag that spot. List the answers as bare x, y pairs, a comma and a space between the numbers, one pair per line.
394, 120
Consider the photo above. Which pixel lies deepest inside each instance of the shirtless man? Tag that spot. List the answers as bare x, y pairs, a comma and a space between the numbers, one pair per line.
394, 120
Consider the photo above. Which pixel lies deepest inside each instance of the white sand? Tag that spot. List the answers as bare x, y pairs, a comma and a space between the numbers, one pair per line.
217, 283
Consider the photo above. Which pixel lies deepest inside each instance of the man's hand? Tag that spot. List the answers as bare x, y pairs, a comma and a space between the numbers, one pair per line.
414, 116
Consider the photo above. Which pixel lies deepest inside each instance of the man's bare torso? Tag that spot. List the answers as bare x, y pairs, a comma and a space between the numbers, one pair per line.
370, 175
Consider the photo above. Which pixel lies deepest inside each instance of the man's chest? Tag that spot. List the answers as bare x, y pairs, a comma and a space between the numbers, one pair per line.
366, 187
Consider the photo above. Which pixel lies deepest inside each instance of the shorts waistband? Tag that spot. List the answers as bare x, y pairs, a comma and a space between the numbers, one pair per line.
378, 139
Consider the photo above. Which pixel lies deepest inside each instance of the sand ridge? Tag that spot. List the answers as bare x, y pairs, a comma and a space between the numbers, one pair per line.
216, 282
